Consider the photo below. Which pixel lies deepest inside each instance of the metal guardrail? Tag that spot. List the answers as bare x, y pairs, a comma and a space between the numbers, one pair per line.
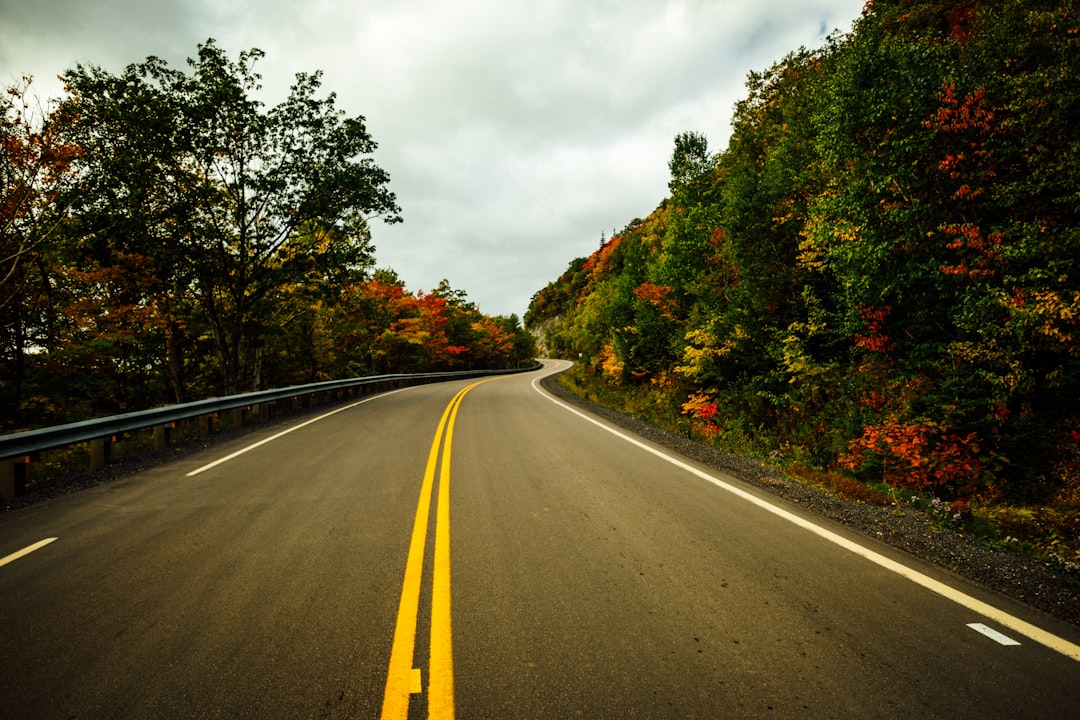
34, 441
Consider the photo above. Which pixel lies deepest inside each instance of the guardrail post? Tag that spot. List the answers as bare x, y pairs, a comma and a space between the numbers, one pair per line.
206, 425
161, 436
100, 452
13, 477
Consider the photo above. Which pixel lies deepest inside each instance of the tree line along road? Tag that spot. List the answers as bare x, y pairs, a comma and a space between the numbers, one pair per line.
481, 550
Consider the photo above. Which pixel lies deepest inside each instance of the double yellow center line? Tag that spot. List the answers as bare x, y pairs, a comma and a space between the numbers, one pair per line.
402, 679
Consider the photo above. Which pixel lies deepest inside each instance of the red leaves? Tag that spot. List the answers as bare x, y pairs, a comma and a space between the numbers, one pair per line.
982, 251
961, 21
874, 400
702, 409
966, 124
968, 113
874, 320
923, 455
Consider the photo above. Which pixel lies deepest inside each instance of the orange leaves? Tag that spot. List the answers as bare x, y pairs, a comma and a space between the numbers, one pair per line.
982, 250
603, 260
653, 294
115, 301
965, 125
406, 332
402, 319
34, 165
962, 114
659, 296
875, 340
922, 455
702, 409
491, 343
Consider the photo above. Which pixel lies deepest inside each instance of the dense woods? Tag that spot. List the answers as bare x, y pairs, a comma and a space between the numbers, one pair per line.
879, 275
164, 236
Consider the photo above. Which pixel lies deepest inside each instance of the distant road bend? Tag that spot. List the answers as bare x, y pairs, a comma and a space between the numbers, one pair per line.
484, 551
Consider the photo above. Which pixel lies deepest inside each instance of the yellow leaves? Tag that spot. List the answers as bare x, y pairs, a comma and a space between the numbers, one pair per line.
703, 409
1008, 372
819, 235
609, 363
810, 256
696, 402
1052, 315
846, 232
797, 364
702, 347
1058, 316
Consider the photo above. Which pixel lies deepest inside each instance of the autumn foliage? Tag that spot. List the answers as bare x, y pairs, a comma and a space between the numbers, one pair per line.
164, 237
880, 273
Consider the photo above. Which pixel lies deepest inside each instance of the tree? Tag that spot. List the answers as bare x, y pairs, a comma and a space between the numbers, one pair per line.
690, 159
258, 191
137, 195
36, 172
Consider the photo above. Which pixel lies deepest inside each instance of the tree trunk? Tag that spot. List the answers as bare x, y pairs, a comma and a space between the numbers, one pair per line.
175, 361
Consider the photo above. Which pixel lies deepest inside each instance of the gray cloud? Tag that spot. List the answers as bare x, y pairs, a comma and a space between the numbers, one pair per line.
515, 133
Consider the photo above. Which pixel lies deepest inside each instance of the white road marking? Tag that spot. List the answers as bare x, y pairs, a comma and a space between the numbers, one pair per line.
25, 551
992, 634
1061, 645
241, 451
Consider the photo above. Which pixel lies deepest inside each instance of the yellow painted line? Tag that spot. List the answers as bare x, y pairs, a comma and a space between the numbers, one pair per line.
441, 660
25, 551
402, 677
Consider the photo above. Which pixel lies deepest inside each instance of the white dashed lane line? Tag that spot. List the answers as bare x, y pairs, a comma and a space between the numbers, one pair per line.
992, 634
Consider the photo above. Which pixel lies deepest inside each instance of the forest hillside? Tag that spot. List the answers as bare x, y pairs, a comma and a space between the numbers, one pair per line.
878, 277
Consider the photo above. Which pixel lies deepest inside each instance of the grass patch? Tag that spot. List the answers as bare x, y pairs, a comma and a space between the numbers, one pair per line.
845, 487
1049, 534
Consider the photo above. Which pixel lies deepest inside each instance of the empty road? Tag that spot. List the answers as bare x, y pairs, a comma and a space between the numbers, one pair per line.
481, 550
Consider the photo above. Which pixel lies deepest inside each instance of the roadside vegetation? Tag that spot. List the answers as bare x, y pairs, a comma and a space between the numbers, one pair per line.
876, 283
165, 237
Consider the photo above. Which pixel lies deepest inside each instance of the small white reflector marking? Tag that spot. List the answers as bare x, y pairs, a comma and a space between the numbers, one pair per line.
992, 634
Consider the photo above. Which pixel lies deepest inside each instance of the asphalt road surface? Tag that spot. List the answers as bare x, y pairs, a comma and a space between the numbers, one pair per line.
480, 550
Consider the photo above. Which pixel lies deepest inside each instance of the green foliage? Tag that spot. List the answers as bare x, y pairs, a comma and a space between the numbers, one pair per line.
164, 236
879, 273
233, 202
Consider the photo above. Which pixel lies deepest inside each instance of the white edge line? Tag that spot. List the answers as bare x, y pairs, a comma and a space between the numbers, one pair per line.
25, 551
1001, 617
243, 450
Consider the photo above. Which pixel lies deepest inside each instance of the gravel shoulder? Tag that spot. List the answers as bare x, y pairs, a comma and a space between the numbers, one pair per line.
1011, 574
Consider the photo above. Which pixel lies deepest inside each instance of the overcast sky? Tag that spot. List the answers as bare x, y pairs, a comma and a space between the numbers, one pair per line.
515, 133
